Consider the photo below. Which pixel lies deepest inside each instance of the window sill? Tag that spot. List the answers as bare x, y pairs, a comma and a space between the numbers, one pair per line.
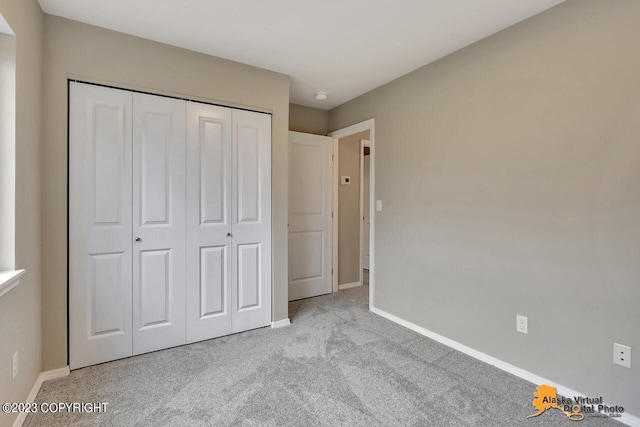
9, 280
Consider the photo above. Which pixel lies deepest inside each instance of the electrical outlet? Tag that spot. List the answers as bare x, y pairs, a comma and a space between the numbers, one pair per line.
622, 355
522, 324
15, 365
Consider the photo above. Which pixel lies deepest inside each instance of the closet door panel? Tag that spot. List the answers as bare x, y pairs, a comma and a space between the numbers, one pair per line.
155, 288
248, 173
155, 170
249, 276
251, 220
107, 314
208, 221
99, 224
212, 147
213, 279
158, 223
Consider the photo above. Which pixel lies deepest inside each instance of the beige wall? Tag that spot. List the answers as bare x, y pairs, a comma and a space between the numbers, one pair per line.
20, 307
84, 52
509, 173
349, 209
308, 119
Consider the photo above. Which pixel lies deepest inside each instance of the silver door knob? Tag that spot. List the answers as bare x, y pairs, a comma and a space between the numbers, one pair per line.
138, 239
228, 234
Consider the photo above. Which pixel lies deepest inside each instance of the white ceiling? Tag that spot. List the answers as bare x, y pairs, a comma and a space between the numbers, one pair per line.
343, 47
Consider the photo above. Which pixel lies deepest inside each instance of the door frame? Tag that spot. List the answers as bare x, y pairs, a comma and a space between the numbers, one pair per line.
336, 135
335, 212
363, 143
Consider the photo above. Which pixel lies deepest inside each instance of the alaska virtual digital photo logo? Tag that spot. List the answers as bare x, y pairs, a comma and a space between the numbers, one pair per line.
546, 397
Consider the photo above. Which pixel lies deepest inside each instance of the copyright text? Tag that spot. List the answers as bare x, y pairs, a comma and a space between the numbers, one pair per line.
55, 407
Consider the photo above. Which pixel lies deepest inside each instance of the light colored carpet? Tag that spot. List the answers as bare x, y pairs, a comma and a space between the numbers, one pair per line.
336, 365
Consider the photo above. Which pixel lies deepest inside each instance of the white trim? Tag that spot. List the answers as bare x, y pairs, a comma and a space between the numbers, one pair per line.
353, 129
44, 376
350, 130
626, 418
55, 373
9, 280
363, 143
349, 285
335, 207
280, 323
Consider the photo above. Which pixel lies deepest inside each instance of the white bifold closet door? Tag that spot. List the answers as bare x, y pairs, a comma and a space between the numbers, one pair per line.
228, 221
158, 223
169, 222
100, 224
251, 220
208, 221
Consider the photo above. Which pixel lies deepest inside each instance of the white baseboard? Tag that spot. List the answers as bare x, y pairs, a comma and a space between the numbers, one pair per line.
55, 373
626, 418
281, 323
349, 285
44, 376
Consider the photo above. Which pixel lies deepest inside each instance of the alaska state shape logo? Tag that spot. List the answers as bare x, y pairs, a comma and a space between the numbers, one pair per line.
546, 397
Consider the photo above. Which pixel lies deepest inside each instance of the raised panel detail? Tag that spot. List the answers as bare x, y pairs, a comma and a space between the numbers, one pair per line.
213, 281
307, 190
248, 173
306, 251
248, 276
106, 305
155, 286
155, 169
108, 137
212, 171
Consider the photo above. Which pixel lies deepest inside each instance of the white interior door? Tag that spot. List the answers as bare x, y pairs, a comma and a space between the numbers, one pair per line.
208, 221
366, 226
251, 220
159, 318
100, 237
310, 222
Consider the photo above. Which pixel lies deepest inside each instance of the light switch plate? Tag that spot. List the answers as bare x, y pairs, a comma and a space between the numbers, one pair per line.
379, 205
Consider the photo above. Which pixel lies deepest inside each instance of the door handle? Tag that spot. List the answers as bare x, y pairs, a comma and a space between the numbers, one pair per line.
138, 239
229, 234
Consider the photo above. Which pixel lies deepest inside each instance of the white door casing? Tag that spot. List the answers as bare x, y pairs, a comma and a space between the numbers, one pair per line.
351, 130
100, 232
251, 220
158, 223
310, 210
365, 206
208, 221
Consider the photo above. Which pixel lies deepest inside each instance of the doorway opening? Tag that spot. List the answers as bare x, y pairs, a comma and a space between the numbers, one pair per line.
355, 246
